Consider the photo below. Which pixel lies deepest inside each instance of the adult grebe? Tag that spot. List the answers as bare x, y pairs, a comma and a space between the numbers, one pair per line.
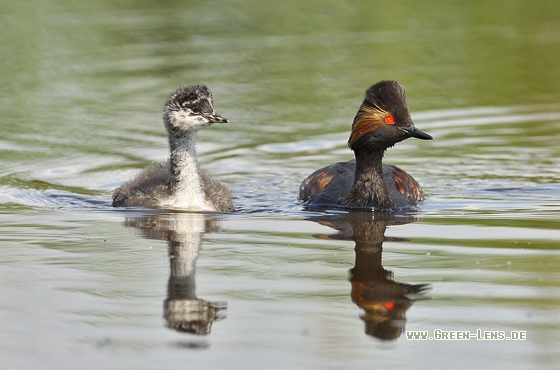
382, 121
179, 183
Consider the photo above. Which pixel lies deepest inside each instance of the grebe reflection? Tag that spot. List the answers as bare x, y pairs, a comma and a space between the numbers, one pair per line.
183, 310
384, 300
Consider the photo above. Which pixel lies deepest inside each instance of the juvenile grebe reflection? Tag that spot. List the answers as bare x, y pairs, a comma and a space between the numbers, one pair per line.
384, 300
183, 310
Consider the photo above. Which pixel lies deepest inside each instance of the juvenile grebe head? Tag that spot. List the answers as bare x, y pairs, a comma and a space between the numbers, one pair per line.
190, 108
383, 119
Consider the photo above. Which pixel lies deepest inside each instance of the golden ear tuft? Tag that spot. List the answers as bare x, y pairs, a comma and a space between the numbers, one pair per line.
368, 120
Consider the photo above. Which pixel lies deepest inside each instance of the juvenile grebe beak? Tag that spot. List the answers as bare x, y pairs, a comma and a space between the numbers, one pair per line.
216, 118
412, 131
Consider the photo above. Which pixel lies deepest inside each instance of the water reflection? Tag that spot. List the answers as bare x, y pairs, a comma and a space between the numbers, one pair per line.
384, 300
183, 310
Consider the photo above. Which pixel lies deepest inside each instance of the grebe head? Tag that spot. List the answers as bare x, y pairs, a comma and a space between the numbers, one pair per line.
383, 119
190, 108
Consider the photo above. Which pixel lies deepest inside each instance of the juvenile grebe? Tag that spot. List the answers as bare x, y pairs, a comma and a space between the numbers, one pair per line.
382, 121
178, 183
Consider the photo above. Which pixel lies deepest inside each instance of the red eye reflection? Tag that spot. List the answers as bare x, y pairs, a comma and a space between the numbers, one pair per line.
390, 120
389, 305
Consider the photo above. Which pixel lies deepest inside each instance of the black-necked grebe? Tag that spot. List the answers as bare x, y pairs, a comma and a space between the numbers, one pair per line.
382, 121
178, 183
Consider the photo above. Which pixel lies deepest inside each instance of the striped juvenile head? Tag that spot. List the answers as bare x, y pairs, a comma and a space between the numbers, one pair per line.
190, 108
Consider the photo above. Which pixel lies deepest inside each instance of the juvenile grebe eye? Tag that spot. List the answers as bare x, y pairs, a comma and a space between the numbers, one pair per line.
195, 110
390, 120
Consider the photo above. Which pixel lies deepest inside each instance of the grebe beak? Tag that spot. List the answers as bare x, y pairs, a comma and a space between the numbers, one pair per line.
216, 118
412, 131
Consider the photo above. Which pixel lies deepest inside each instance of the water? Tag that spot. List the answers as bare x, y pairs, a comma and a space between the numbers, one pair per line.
87, 286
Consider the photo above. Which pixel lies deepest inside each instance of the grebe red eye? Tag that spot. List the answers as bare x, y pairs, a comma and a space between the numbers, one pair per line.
195, 110
390, 120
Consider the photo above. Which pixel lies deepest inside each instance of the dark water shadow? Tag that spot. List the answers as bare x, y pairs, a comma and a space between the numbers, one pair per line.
384, 300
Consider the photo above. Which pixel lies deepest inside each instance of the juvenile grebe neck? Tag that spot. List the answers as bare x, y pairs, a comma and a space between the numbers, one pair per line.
185, 183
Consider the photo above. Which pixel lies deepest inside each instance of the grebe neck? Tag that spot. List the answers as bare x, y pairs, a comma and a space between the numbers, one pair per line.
184, 166
185, 184
368, 189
